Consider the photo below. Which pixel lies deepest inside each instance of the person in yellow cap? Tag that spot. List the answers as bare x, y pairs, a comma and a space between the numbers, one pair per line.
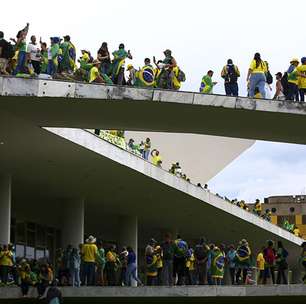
132, 75
293, 91
302, 79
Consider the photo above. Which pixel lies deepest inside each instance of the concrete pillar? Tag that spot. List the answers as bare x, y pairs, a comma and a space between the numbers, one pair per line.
129, 235
73, 222
5, 209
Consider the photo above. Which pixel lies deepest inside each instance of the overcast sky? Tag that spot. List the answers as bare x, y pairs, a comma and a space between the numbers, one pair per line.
202, 35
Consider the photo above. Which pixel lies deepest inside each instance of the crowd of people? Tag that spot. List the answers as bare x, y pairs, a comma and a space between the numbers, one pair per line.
58, 60
172, 262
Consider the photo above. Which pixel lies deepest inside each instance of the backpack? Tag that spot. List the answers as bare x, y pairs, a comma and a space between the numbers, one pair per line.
284, 82
231, 73
8, 50
181, 76
269, 78
182, 248
200, 253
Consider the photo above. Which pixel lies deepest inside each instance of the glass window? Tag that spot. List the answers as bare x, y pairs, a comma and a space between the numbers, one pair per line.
41, 236
40, 253
31, 238
21, 233
19, 251
30, 253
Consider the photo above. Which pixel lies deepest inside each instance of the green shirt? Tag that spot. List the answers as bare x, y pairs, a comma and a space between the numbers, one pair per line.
22, 46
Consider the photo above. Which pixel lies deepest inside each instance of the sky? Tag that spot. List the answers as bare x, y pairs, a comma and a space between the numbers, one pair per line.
202, 36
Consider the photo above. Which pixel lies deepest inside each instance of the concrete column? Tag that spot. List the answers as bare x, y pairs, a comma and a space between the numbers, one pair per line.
73, 222
5, 209
129, 235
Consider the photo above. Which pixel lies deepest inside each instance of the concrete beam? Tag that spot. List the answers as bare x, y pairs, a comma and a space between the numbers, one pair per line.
87, 106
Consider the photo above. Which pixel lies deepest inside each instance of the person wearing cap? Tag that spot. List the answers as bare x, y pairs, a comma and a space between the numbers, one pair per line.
230, 74
118, 64
302, 79
69, 55
132, 75
89, 254
279, 90
94, 74
293, 91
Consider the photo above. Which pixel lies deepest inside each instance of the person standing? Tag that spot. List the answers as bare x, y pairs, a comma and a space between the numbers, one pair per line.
89, 253
230, 74
200, 254
6, 263
179, 262
131, 272
260, 263
4, 54
68, 56
168, 254
243, 260
256, 76
293, 90
34, 53
21, 46
146, 149
104, 57
100, 264
207, 84
279, 90
302, 79
111, 266
75, 264
151, 268
230, 259
217, 266
270, 257
281, 263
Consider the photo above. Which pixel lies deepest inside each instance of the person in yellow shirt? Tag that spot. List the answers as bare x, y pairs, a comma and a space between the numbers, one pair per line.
302, 79
152, 272
156, 158
111, 266
94, 74
256, 76
159, 264
258, 207
260, 266
190, 268
296, 231
6, 262
89, 255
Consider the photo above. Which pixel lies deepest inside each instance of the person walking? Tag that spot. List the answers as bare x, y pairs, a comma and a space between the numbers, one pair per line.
281, 263
230, 73
256, 76
131, 271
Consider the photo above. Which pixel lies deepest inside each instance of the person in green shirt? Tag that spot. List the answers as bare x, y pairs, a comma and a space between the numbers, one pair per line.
54, 53
100, 259
69, 55
21, 46
44, 57
118, 64
207, 84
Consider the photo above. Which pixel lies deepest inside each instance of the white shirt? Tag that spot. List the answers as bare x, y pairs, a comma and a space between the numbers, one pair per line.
34, 51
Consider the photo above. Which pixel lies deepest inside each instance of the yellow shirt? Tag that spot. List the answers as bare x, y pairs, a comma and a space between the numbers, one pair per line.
93, 74
260, 262
262, 68
156, 159
302, 80
6, 258
296, 232
111, 257
89, 252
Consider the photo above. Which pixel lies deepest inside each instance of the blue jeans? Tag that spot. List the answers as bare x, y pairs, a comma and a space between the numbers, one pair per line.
88, 275
131, 273
145, 154
231, 89
51, 68
257, 80
75, 277
21, 62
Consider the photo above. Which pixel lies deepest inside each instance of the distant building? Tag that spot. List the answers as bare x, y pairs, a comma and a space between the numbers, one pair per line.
290, 208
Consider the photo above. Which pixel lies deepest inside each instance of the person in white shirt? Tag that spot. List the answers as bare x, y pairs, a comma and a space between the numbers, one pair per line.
34, 54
